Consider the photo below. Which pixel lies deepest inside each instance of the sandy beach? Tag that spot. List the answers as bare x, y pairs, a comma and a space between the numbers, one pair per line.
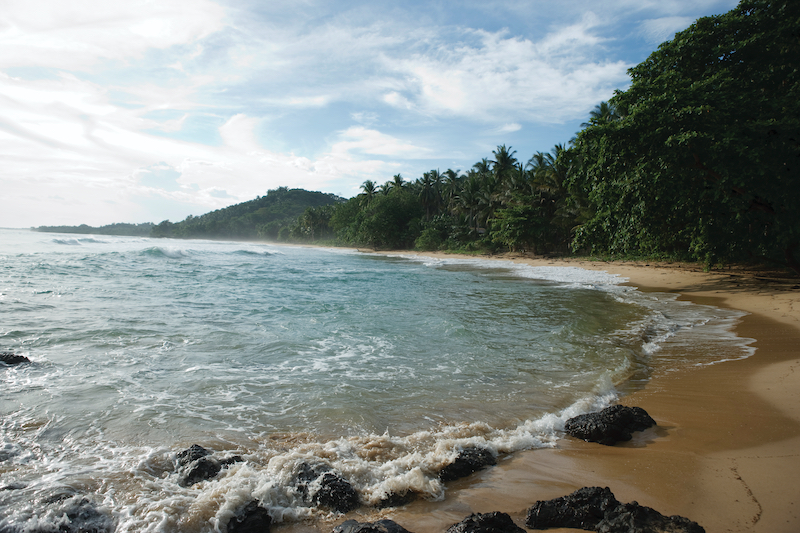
726, 452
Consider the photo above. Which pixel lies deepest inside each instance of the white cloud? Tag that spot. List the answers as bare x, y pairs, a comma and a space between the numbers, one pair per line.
508, 128
172, 100
75, 35
502, 77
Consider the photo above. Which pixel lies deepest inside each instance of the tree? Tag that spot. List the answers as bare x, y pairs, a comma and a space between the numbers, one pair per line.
369, 190
602, 113
704, 160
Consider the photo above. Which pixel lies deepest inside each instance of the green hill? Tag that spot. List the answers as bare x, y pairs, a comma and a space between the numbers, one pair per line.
262, 217
135, 230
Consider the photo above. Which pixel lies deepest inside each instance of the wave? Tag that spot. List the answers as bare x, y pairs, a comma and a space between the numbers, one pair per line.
141, 488
77, 241
165, 251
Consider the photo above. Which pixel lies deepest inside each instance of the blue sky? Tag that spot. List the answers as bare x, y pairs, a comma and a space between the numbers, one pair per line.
148, 110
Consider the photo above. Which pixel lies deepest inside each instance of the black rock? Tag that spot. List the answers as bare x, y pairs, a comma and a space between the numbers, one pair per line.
609, 426
200, 470
468, 461
193, 453
486, 523
596, 509
13, 359
396, 499
381, 526
583, 509
334, 491
195, 465
233, 459
252, 518
635, 518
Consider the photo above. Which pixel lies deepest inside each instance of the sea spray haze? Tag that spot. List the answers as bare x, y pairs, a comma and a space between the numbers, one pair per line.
379, 367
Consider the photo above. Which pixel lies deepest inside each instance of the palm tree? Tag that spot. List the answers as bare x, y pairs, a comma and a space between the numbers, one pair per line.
451, 184
397, 182
369, 189
504, 161
603, 113
428, 195
386, 188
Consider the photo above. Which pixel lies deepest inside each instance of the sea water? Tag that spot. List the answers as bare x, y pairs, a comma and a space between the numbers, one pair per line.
382, 368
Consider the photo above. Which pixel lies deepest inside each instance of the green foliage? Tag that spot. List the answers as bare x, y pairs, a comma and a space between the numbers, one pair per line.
435, 233
389, 221
519, 227
260, 218
135, 230
704, 160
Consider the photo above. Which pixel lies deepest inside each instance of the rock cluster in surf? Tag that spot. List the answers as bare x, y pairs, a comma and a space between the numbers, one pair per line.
589, 508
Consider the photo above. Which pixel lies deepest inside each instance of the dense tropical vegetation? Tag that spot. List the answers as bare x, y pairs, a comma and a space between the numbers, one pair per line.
698, 160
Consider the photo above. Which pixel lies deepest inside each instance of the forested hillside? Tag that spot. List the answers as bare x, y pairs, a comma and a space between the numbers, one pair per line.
121, 228
263, 217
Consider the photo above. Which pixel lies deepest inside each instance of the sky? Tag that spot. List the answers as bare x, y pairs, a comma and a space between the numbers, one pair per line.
151, 110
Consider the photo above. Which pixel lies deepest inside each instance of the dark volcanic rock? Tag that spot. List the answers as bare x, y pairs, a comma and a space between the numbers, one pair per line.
381, 526
200, 470
195, 465
396, 499
634, 518
13, 359
596, 509
583, 509
193, 453
486, 523
252, 518
468, 461
327, 488
609, 426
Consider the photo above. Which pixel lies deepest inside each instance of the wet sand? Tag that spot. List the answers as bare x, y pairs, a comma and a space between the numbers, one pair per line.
726, 452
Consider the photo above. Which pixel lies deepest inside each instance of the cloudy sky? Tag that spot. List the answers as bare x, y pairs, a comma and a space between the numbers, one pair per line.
147, 110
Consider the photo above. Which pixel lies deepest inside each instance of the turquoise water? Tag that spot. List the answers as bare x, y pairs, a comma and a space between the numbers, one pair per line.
382, 366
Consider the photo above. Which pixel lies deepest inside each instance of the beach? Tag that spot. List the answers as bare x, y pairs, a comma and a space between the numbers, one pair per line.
726, 452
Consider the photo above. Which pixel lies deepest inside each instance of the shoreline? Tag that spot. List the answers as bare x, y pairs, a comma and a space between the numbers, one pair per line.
726, 452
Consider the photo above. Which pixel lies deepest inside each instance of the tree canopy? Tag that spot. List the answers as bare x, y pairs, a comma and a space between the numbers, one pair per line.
703, 157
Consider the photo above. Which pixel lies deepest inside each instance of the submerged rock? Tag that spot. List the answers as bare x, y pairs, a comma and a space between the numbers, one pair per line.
252, 518
609, 426
596, 509
13, 359
468, 461
486, 523
326, 488
381, 526
66, 511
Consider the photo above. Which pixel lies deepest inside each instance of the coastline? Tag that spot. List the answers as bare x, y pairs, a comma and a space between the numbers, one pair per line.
726, 452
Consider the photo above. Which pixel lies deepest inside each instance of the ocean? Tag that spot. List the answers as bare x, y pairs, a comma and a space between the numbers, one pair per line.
381, 368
